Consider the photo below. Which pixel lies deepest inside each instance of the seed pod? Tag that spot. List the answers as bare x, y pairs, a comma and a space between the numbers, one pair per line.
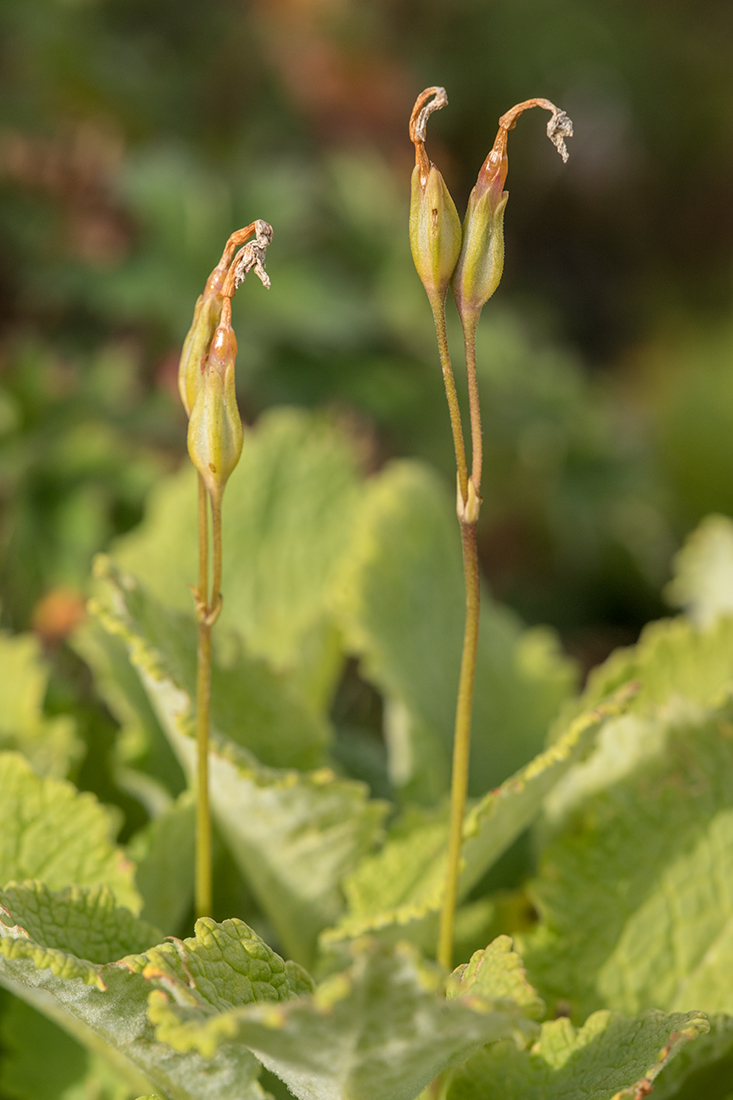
206, 316
481, 261
435, 228
215, 427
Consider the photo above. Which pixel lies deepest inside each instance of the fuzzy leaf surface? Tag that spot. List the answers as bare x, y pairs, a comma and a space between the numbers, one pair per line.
646, 862
48, 830
40, 935
381, 1028
401, 606
609, 1058
293, 835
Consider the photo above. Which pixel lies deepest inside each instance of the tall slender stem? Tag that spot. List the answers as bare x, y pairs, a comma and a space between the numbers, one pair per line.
438, 308
203, 890
461, 743
203, 813
469, 338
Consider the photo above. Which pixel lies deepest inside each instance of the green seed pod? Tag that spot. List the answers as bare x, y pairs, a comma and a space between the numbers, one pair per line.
206, 316
481, 261
435, 228
215, 427
479, 268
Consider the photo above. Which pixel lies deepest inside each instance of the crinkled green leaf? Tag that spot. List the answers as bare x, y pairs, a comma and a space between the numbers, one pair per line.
49, 831
51, 744
609, 1058
107, 1010
703, 572
703, 1069
286, 524
250, 704
399, 890
401, 604
85, 925
380, 1029
496, 976
165, 865
293, 835
636, 887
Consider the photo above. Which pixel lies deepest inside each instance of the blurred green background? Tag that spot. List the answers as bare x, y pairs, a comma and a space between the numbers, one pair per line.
135, 136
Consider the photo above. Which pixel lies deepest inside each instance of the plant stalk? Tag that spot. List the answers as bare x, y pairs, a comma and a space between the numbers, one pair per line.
461, 743
208, 612
477, 450
203, 890
438, 307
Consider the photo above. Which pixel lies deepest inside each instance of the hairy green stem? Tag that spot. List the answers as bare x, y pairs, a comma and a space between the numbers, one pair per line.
203, 889
203, 813
477, 452
461, 743
438, 307
207, 608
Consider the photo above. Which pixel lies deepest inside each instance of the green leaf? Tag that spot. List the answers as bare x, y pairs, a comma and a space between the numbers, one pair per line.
293, 835
673, 661
164, 876
50, 831
286, 525
401, 606
146, 766
66, 1071
496, 976
250, 705
51, 744
634, 888
703, 1068
609, 1058
703, 572
380, 1029
107, 1010
399, 891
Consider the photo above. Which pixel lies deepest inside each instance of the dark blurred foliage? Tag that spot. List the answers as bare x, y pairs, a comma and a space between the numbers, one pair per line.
135, 136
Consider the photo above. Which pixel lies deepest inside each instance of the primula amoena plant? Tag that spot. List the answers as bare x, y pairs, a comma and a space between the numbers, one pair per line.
578, 871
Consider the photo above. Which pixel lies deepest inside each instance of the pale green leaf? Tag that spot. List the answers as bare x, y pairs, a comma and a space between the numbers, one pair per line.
145, 765
107, 1010
609, 1058
674, 661
401, 605
164, 875
496, 976
49, 831
250, 705
51, 744
703, 572
293, 835
380, 1029
636, 887
399, 891
286, 525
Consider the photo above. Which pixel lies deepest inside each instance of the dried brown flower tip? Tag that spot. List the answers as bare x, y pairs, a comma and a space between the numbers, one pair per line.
432, 99
252, 256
